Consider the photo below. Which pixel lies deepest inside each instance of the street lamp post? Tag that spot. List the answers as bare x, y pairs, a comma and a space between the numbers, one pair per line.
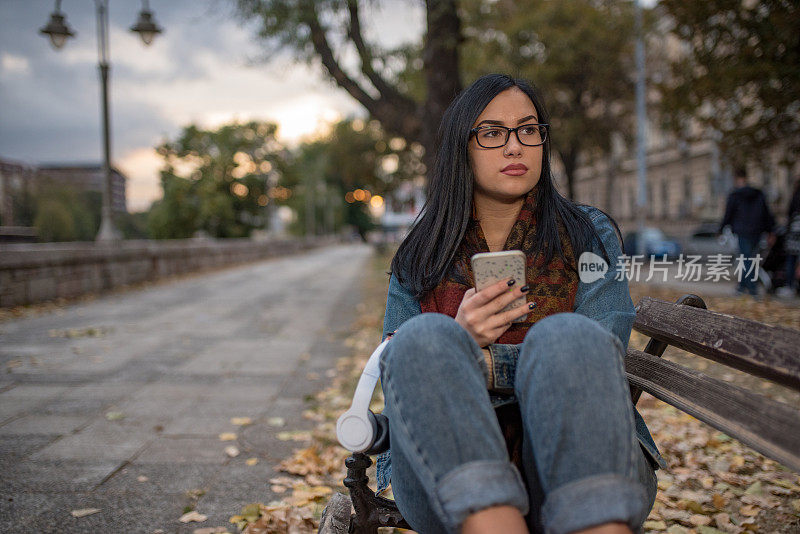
58, 32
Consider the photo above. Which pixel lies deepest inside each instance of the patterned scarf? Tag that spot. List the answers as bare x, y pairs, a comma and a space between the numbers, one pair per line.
553, 286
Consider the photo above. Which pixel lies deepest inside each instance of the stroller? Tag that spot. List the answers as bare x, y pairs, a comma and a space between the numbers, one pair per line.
772, 272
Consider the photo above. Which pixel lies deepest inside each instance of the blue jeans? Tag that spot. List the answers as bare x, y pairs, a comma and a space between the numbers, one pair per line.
583, 465
747, 247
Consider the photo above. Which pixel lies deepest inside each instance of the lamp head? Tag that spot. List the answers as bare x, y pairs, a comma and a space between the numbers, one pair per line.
146, 27
57, 30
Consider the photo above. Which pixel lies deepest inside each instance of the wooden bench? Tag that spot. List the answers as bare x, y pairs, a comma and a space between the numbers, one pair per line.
770, 427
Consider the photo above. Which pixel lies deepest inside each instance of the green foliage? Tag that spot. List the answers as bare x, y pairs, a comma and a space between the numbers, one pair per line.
54, 222
738, 72
64, 214
215, 181
133, 225
578, 53
354, 155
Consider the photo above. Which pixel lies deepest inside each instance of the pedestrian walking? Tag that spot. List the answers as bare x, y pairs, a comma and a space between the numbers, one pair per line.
748, 215
791, 244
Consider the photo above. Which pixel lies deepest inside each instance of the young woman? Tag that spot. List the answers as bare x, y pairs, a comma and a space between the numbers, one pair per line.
587, 459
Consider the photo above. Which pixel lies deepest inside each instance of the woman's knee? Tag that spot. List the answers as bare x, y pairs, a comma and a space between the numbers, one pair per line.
564, 340
426, 340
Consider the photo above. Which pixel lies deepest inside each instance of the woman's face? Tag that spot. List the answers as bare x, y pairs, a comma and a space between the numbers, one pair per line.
506, 173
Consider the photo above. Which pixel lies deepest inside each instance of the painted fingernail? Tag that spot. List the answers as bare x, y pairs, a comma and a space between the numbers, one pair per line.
532, 305
511, 282
525, 289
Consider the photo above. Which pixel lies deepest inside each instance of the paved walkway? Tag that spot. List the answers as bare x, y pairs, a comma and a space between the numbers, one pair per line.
117, 404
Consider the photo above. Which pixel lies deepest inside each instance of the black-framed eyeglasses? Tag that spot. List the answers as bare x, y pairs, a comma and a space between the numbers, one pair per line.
496, 136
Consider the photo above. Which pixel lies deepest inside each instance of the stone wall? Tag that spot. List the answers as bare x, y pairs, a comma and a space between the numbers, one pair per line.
31, 273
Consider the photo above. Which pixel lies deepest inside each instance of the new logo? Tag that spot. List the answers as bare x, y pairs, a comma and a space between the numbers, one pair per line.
591, 267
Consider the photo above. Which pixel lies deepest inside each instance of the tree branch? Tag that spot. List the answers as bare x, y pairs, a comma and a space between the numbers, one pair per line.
323, 49
354, 32
396, 115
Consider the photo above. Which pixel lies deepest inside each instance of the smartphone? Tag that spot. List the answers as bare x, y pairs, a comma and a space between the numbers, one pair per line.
491, 267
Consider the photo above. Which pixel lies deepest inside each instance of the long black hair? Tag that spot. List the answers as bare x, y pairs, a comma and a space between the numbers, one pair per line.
425, 255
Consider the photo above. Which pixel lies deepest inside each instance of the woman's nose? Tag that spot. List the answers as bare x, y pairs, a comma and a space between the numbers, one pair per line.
513, 146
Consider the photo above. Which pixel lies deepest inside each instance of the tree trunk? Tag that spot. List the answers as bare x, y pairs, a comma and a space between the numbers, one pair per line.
441, 59
570, 161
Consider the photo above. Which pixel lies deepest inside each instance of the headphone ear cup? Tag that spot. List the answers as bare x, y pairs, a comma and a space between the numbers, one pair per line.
381, 432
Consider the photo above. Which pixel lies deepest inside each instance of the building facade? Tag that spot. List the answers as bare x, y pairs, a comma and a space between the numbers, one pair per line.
687, 183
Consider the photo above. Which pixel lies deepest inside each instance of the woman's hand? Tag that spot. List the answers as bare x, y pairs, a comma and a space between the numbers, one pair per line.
480, 312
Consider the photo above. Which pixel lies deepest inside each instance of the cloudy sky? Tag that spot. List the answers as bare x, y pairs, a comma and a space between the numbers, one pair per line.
203, 69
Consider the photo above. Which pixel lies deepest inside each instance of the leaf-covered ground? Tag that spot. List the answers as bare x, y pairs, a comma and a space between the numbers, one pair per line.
713, 484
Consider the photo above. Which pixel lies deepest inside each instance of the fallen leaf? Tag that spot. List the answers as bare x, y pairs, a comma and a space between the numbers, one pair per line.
192, 516
232, 451
655, 525
294, 435
251, 461
114, 416
749, 510
677, 529
277, 489
314, 480
698, 520
276, 421
241, 421
83, 512
703, 529
284, 481
719, 501
227, 436
142, 478
754, 489
211, 530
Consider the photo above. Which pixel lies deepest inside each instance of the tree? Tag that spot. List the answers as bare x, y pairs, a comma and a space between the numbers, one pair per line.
64, 213
354, 155
736, 72
578, 53
215, 181
386, 82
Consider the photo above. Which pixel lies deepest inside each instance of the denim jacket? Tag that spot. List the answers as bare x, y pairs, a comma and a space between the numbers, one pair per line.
606, 300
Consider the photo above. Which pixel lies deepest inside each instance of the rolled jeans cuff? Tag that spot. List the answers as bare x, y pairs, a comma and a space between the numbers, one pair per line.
593, 501
477, 485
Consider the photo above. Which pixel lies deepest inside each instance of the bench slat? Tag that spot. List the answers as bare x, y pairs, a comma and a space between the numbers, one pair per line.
767, 351
767, 426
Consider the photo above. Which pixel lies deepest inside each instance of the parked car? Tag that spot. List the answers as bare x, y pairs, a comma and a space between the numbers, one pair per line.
704, 241
655, 243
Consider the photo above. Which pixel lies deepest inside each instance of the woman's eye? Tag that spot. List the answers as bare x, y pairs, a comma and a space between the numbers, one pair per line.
530, 130
491, 132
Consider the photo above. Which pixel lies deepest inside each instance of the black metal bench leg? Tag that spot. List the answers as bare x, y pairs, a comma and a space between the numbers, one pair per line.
371, 511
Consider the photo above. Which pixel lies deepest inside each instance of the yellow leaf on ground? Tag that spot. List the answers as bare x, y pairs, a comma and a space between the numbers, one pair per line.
719, 501
227, 436
748, 510
655, 525
241, 421
251, 461
232, 451
192, 516
698, 520
276, 421
83, 512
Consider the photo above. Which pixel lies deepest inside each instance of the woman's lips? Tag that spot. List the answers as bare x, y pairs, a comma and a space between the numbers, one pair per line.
515, 169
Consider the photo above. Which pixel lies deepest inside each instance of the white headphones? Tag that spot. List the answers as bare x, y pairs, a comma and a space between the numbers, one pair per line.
358, 429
